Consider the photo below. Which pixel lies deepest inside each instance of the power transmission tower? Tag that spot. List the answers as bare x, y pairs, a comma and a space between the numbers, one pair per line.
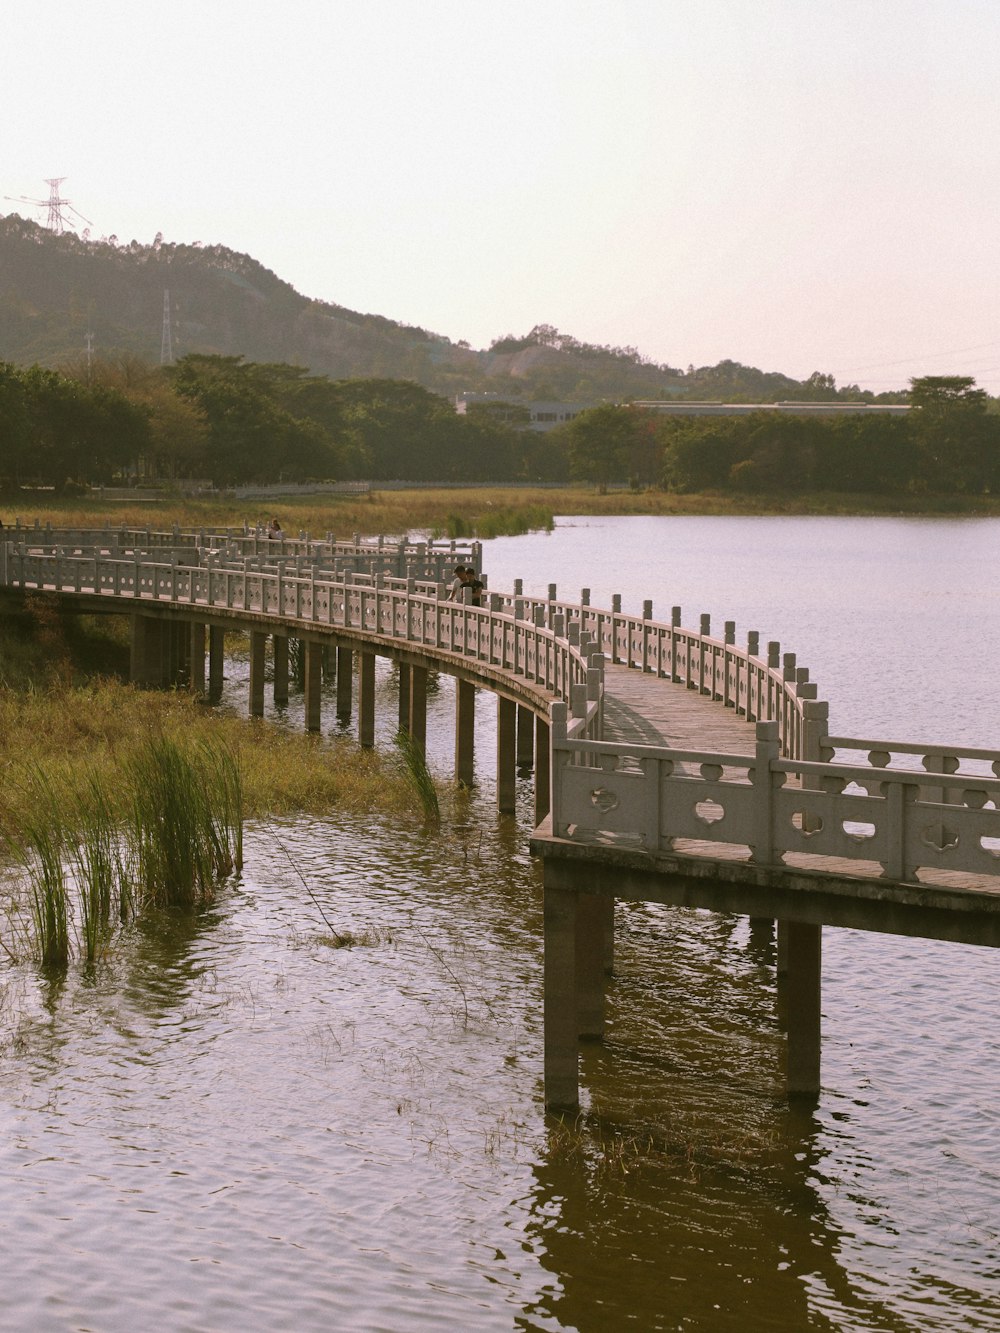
57, 220
166, 338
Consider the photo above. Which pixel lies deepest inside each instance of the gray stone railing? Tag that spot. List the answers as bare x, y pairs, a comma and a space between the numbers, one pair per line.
372, 605
772, 810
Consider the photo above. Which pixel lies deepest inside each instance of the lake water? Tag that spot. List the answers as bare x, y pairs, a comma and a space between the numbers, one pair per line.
235, 1126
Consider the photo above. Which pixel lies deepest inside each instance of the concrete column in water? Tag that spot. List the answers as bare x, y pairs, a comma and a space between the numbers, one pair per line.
608, 931
591, 945
216, 662
280, 646
560, 1017
404, 698
313, 655
345, 684
543, 799
258, 643
803, 990
366, 700
465, 731
196, 673
782, 949
506, 754
525, 736
418, 707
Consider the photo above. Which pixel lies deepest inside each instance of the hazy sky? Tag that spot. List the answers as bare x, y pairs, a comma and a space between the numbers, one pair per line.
796, 184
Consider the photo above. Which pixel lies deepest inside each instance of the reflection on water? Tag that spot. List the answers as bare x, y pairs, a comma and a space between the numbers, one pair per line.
235, 1125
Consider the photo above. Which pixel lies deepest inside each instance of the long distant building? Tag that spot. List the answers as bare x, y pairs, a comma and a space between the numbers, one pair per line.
547, 415
672, 408
543, 415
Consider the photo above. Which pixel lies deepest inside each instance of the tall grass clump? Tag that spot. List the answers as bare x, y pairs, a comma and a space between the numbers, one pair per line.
182, 829
415, 763
220, 767
102, 870
506, 521
41, 849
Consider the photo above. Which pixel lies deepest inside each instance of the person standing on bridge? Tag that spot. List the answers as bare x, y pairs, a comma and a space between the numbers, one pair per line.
274, 531
457, 584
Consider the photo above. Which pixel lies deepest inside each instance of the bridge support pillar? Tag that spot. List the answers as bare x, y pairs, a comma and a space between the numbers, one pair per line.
180, 653
216, 662
543, 795
782, 949
525, 736
608, 928
366, 700
345, 684
560, 1016
258, 643
280, 646
149, 655
506, 754
465, 731
196, 671
313, 655
404, 698
591, 949
805, 949
418, 708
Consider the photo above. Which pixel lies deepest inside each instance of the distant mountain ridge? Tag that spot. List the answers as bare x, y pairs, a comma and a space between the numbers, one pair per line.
57, 289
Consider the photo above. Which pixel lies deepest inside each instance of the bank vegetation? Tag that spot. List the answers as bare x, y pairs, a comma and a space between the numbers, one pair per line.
66, 718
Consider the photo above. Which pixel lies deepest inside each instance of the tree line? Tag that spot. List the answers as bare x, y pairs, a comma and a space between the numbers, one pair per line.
948, 442
229, 422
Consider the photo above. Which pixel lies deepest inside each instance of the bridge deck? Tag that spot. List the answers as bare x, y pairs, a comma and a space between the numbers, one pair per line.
647, 710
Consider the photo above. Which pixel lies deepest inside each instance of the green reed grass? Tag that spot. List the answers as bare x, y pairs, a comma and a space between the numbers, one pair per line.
183, 828
40, 847
415, 764
506, 521
102, 870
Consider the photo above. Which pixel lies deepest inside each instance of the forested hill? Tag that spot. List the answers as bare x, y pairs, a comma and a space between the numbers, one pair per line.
54, 290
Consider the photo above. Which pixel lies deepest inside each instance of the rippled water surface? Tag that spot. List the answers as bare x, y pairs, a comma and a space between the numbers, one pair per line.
238, 1125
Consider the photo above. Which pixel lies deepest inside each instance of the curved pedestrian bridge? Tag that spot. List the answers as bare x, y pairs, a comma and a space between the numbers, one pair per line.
670, 763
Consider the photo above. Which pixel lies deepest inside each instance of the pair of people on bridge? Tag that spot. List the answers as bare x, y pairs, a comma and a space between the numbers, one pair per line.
466, 577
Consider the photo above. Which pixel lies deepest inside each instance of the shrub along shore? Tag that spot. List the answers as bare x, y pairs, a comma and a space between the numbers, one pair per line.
63, 715
465, 511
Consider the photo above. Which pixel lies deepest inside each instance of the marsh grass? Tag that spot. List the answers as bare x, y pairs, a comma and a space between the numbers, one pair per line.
167, 826
506, 521
87, 868
39, 847
101, 870
70, 733
430, 508
415, 765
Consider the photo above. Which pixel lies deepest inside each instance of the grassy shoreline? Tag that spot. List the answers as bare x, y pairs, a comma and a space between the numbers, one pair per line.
64, 715
486, 510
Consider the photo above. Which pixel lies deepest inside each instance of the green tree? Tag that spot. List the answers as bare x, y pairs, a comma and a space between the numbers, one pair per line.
263, 419
14, 423
958, 441
602, 442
